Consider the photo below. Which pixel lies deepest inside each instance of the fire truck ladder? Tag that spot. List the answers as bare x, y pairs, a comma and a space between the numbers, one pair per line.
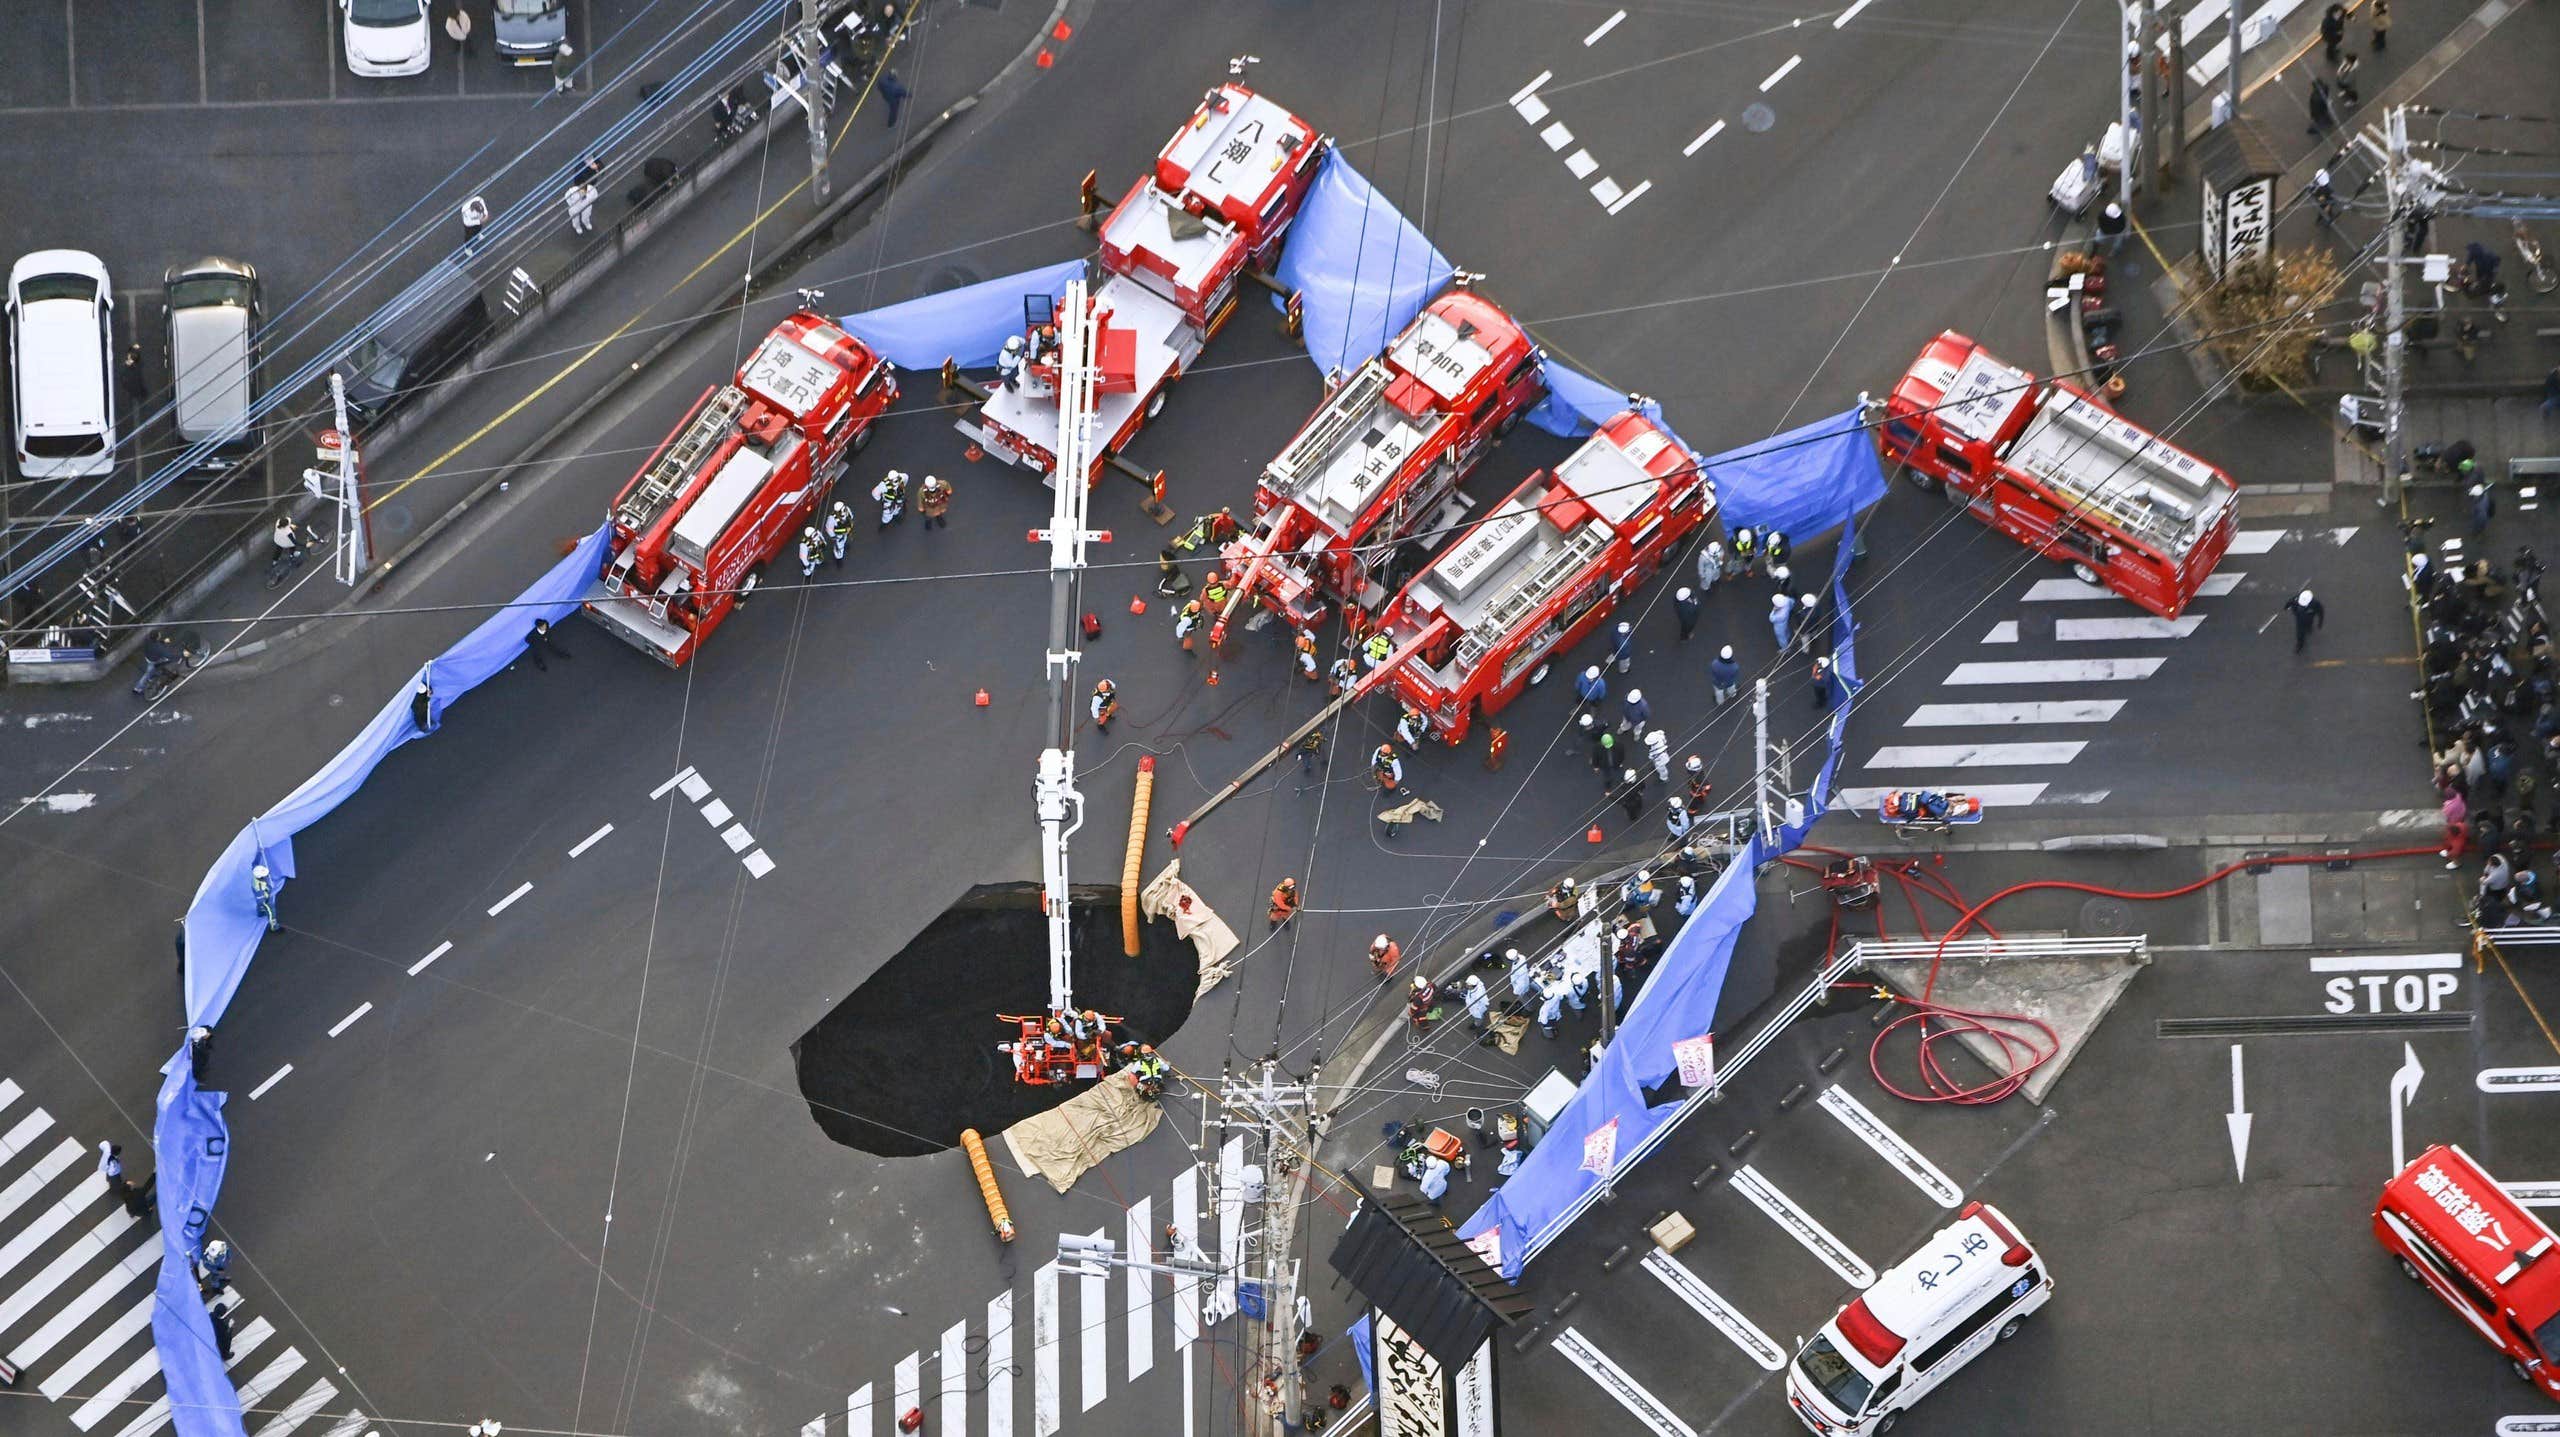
666, 478
1350, 406
1059, 805
1525, 594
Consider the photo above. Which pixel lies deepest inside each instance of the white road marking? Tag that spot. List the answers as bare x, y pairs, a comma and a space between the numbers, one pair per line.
1630, 197
1657, 1416
301, 1410
348, 1426
716, 813
57, 1272
1044, 1350
273, 1376
273, 1078
1186, 1288
1780, 73
1800, 1225
1556, 136
1700, 143
2056, 711
1759, 1346
1531, 88
2081, 631
10, 1092
2052, 591
92, 1300
250, 1338
757, 864
1607, 193
906, 1386
999, 1366
591, 840
955, 1377
1531, 108
737, 837
53, 1219
2488, 1080
22, 1135
349, 1021
509, 901
661, 790
2535, 1195
815, 1427
2003, 632
1580, 164
2404, 1091
1993, 795
1975, 755
1142, 1331
1605, 27
2217, 585
1093, 1323
2254, 541
76, 1368
1844, 17
695, 788
1891, 1146
420, 966
2387, 963
2055, 671
857, 1412
63, 1156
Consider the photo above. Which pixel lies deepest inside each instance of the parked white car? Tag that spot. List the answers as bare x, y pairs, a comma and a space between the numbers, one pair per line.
62, 399
384, 38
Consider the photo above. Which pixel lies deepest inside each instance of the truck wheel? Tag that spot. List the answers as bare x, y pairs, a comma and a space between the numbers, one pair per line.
862, 438
1885, 1423
2411, 1269
1926, 483
747, 590
1509, 422
2010, 1328
2086, 575
2523, 1373
1155, 401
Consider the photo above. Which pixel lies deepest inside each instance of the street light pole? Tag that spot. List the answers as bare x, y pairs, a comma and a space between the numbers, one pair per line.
810, 42
2231, 71
2131, 119
2395, 338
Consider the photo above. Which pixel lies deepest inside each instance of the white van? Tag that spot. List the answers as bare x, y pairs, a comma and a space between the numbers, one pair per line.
1967, 1287
62, 401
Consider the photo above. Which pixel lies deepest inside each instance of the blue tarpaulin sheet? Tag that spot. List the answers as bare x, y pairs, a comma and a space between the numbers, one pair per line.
1802, 482
968, 325
190, 1143
1679, 1002
1364, 270
1576, 403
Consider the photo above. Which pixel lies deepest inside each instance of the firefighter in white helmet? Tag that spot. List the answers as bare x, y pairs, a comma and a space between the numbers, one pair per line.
839, 528
891, 491
812, 544
1009, 363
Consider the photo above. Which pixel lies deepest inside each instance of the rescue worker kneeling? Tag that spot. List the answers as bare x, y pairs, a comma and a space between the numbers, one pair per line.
1147, 1073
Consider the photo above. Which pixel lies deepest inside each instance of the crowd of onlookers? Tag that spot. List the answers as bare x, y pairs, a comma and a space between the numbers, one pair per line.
2491, 685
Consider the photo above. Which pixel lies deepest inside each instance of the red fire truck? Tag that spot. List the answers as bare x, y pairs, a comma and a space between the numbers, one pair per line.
2464, 1238
1216, 205
1380, 460
735, 484
2051, 466
1544, 569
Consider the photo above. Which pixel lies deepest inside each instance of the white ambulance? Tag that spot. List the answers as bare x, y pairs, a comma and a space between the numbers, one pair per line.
1967, 1287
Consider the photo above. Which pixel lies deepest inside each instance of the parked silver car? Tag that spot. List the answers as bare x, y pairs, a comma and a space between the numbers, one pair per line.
527, 32
211, 345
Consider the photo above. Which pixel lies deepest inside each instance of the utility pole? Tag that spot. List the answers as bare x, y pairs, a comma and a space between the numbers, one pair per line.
1279, 1114
815, 85
342, 485
2231, 72
2395, 337
1760, 767
2132, 118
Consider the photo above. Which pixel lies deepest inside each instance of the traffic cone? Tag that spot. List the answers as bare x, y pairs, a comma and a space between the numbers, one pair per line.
973, 453
1043, 60
983, 700
1138, 605
1594, 835
1213, 678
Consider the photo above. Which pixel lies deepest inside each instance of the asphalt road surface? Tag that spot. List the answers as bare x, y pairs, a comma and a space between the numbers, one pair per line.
517, 1128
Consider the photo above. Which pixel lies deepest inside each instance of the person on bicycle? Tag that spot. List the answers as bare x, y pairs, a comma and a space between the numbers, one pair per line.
160, 656
2323, 197
288, 540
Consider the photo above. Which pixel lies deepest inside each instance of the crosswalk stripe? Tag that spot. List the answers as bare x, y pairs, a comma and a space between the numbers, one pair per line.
2217, 585
1969, 715
23, 1133
816, 1428
59, 1271
77, 1368
1803, 1227
28, 1183
273, 1376
1093, 1321
1044, 1351
302, 1409
144, 1367
1890, 1145
2065, 591
1000, 1364
51, 1221
857, 1412
1757, 1345
246, 1341
906, 1386
955, 1377
2254, 541
2083, 631
1142, 1330
1993, 795
9, 1093
95, 1297
1976, 755
1186, 1288
348, 1426
2055, 671
2003, 632
1646, 1408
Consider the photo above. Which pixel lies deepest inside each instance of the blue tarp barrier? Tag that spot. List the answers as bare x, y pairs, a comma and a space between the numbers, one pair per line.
1553, 1182
1364, 270
968, 325
1802, 482
1361, 1342
1576, 403
190, 1143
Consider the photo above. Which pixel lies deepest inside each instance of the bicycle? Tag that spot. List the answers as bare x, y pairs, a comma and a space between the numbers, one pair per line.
165, 661
282, 566
2537, 265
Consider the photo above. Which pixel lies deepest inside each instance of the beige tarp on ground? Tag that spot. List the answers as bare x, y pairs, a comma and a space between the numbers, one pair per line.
1067, 1141
1167, 896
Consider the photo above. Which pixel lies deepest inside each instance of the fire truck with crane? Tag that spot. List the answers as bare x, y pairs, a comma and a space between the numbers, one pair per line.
1540, 572
749, 467
1376, 464
2046, 463
1209, 217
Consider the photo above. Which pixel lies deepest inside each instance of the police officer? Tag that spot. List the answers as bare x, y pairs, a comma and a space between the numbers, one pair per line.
812, 544
839, 528
1106, 703
891, 491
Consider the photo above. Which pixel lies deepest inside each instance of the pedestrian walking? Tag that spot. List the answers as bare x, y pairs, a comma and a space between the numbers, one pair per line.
933, 503
1591, 688
1657, 749
1685, 604
1631, 793
1186, 622
2484, 507
2380, 12
2308, 614
1106, 703
2348, 96
1725, 673
2333, 32
422, 707
2323, 117
580, 200
2111, 227
1634, 713
475, 213
539, 645
893, 94
1710, 566
1622, 649
457, 27
839, 529
564, 69
1822, 684
813, 546
1782, 614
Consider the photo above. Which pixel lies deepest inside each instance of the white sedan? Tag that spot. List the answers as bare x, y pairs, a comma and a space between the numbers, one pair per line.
385, 37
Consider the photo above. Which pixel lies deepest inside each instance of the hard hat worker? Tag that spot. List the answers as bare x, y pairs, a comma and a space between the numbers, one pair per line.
891, 492
812, 545
1009, 362
1384, 954
839, 528
1106, 703
1387, 768
933, 502
1284, 901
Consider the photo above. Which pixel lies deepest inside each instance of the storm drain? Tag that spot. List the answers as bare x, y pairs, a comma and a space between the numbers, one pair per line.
2299, 1024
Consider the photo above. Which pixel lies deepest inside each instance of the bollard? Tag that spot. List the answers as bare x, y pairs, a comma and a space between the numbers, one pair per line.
1734, 1148
977, 1150
1611, 1262
1706, 1175
1137, 855
1831, 1059
1566, 1303
1794, 1096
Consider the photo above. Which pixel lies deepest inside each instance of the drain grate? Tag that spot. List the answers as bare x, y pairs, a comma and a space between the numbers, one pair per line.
2294, 1025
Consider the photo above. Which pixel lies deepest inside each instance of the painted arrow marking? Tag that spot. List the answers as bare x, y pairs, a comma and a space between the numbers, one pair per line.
2517, 1080
2404, 1091
2238, 1121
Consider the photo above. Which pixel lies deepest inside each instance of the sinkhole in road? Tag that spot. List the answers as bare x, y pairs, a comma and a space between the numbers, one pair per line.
907, 1060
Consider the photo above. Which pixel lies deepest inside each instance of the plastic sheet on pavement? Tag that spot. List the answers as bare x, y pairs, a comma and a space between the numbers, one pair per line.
1167, 896
1069, 1140
968, 325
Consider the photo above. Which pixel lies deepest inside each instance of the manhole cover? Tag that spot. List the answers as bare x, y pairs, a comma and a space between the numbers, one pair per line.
950, 276
2105, 917
394, 519
1757, 118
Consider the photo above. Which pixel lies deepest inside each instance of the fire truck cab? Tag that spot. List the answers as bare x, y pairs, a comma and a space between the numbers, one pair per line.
2460, 1235
1378, 461
2051, 466
1218, 202
734, 485
1545, 568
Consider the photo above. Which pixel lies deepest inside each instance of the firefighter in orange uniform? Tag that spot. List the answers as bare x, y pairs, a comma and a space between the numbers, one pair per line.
1284, 901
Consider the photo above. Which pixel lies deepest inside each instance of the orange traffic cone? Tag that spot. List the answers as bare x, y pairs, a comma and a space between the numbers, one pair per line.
1213, 678
982, 698
973, 453
1138, 605
1594, 834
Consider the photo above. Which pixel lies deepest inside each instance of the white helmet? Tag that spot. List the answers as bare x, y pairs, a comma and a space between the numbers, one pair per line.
1626, 628
257, 870
2320, 177
1696, 764
1780, 572
1683, 596
1644, 875
1570, 884
1592, 672
1378, 944
1635, 696
2304, 599
1584, 721
1421, 984
1013, 344
1726, 652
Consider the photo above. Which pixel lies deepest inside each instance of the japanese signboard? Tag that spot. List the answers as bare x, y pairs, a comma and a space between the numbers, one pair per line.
1475, 1394
1413, 1389
1600, 1150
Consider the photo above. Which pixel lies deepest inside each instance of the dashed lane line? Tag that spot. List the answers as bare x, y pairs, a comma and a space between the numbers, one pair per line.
1841, 20
1700, 143
1780, 73
1605, 27
433, 954
508, 902
273, 1078
349, 1021
592, 839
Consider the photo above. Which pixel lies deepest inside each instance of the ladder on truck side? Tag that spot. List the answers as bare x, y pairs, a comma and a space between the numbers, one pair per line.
1059, 805
1351, 405
1569, 558
667, 477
